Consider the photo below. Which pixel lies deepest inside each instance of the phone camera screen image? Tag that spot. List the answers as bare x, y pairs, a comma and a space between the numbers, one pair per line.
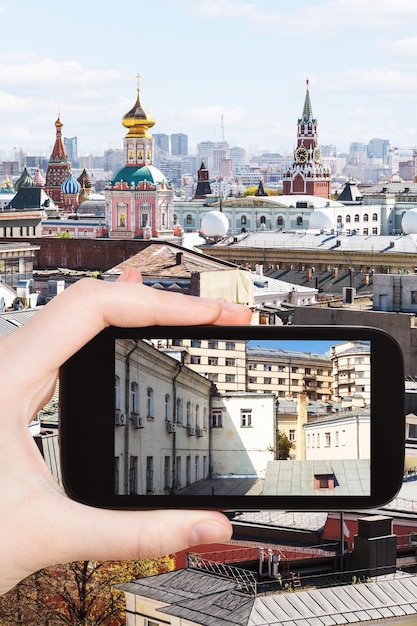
242, 417
234, 418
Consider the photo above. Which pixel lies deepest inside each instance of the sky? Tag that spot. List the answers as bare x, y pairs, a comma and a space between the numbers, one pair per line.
232, 69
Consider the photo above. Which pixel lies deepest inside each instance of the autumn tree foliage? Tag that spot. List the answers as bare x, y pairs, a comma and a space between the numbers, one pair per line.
80, 593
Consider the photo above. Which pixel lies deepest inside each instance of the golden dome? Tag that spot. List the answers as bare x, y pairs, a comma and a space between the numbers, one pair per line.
136, 120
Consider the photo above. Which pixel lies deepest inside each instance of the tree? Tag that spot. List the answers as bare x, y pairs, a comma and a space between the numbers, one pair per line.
79, 593
284, 446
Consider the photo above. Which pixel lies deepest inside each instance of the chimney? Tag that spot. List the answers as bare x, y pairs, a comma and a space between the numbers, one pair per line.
179, 258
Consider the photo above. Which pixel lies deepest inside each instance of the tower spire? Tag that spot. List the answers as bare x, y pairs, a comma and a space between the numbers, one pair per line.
307, 115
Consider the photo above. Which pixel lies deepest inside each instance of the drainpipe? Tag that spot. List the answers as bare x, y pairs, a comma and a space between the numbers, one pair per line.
174, 434
127, 425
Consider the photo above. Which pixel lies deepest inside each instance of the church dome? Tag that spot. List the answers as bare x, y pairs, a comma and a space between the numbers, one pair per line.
409, 222
85, 180
38, 178
137, 121
70, 186
24, 180
321, 219
133, 174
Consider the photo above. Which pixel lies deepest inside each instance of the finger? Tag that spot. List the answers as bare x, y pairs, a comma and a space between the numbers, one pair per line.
84, 309
95, 534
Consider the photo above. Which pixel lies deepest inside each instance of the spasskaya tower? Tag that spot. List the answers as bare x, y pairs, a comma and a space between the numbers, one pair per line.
307, 175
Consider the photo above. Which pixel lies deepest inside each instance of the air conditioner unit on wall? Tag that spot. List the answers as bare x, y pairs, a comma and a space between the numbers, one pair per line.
119, 418
190, 430
138, 421
199, 432
170, 427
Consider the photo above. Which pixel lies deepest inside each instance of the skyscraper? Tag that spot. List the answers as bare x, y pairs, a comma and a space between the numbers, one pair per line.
71, 149
179, 144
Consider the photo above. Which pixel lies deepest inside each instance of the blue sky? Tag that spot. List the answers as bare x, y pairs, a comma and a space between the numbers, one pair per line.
200, 60
316, 346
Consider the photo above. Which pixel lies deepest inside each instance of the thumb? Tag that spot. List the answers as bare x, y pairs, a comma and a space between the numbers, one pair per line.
100, 534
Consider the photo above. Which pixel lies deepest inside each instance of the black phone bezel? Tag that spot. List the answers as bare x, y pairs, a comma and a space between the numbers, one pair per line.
87, 420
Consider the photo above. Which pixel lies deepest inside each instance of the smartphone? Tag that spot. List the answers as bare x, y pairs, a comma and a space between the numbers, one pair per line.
234, 418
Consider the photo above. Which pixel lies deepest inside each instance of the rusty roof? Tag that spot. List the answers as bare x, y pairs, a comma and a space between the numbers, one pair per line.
164, 260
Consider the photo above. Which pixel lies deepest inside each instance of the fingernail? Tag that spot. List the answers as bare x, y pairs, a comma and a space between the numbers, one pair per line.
209, 532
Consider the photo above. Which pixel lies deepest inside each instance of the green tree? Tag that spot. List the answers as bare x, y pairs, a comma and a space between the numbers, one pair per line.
79, 593
284, 446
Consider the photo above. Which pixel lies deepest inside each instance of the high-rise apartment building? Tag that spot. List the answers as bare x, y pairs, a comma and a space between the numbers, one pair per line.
179, 144
379, 149
161, 141
114, 159
71, 149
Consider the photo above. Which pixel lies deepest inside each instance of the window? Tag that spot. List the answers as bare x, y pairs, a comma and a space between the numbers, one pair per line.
178, 471
149, 474
308, 370
167, 407
213, 376
134, 398
280, 220
216, 418
339, 219
188, 413
356, 218
252, 366
230, 362
213, 344
374, 231
374, 217
230, 345
413, 297
252, 380
243, 220
324, 481
299, 221
267, 367
197, 467
133, 474
149, 402
179, 411
196, 343
117, 393
365, 231
412, 431
205, 417
213, 360
267, 381
188, 470
347, 219
366, 217
281, 381
336, 438
327, 440
245, 418
189, 219
294, 370
195, 360
145, 217
197, 416
230, 378
291, 434
281, 368
177, 342
167, 472
318, 440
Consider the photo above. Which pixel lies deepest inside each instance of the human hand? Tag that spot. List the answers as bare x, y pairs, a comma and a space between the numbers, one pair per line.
39, 524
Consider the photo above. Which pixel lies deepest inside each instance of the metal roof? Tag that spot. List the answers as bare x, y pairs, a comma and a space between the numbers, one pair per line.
297, 477
210, 600
11, 320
